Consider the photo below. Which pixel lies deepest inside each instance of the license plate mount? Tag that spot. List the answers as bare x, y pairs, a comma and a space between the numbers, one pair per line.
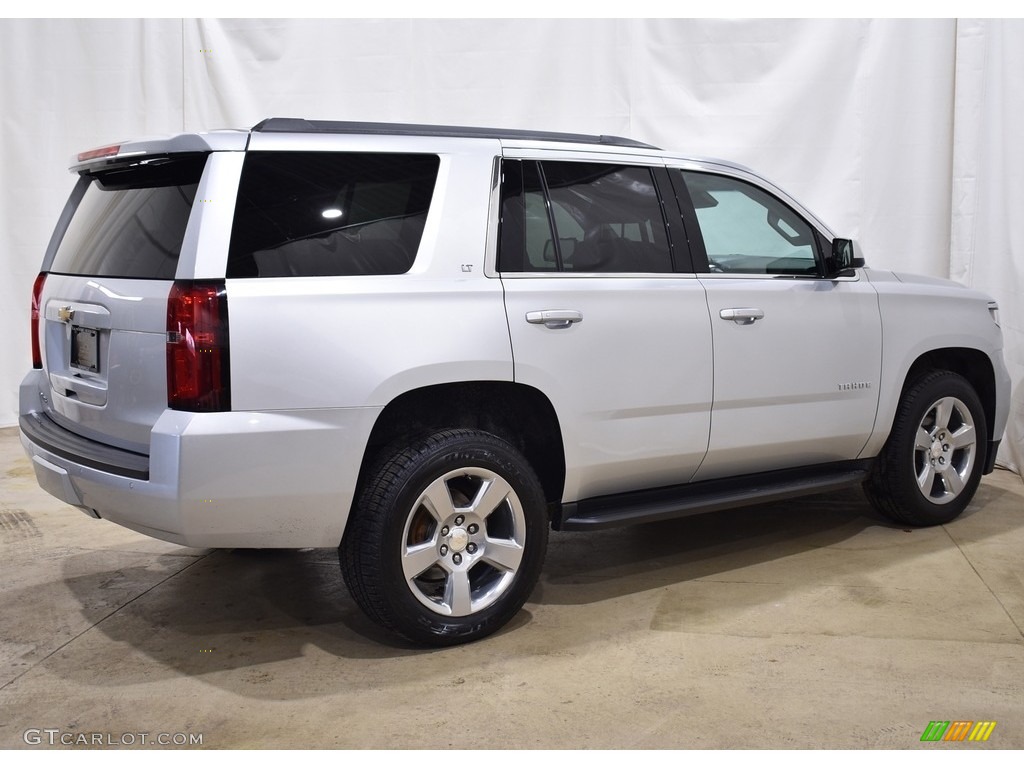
85, 349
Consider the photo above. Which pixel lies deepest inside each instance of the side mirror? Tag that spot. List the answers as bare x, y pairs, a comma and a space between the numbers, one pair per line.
843, 258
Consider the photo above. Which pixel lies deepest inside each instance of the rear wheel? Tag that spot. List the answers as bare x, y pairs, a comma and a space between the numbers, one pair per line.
447, 538
931, 465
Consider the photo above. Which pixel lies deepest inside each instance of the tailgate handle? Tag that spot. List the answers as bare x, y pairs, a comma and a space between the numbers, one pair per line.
555, 318
86, 391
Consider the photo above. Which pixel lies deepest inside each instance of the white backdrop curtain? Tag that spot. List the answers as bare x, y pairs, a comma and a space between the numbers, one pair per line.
901, 134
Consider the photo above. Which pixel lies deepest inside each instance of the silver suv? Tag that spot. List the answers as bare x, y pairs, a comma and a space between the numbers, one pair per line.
428, 345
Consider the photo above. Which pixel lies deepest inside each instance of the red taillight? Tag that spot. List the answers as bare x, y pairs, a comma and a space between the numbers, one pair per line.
197, 347
37, 294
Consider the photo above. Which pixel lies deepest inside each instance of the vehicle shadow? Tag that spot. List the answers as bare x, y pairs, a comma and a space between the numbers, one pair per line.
241, 619
587, 567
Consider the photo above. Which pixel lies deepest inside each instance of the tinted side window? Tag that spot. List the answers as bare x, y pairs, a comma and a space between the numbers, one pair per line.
601, 218
609, 216
131, 222
527, 244
745, 229
330, 213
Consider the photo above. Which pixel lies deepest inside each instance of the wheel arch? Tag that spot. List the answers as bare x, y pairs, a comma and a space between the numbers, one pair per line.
932, 462
973, 365
519, 414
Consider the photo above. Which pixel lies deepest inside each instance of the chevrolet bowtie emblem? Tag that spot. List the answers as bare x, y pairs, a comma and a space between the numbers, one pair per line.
65, 314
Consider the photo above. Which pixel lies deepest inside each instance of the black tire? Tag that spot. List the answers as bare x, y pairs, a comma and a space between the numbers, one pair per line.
931, 465
421, 560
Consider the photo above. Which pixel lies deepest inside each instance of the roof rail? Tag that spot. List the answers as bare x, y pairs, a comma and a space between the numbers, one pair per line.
299, 125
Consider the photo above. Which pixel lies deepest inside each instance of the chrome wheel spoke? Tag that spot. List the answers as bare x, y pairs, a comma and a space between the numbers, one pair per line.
943, 413
926, 479
418, 559
952, 480
457, 594
492, 494
964, 437
437, 500
503, 554
923, 440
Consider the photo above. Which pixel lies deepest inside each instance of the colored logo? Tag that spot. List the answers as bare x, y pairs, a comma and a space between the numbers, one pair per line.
958, 730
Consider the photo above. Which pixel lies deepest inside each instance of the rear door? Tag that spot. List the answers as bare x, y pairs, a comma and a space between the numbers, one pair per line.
103, 312
607, 319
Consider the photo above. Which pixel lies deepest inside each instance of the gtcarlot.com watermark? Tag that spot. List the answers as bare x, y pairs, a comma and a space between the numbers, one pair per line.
55, 737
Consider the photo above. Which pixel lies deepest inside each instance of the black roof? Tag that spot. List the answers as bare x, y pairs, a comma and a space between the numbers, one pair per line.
299, 125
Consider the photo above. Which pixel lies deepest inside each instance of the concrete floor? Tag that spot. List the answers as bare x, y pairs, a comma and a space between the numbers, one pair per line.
801, 624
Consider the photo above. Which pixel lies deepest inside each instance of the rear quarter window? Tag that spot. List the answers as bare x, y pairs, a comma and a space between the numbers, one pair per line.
303, 214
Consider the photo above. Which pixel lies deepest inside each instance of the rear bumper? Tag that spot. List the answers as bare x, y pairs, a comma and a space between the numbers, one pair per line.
238, 479
43, 432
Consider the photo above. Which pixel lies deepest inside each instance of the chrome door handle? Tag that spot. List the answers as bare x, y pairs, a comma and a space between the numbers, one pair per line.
555, 318
742, 315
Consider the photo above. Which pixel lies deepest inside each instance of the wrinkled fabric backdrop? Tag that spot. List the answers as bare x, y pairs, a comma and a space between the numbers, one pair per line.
905, 135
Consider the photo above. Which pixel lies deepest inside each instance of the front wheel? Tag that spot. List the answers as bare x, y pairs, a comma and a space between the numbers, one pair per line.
931, 465
447, 538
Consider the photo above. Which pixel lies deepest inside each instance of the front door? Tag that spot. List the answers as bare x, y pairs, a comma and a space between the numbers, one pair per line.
797, 355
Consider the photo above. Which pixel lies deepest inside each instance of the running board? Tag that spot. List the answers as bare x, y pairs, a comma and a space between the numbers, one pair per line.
707, 496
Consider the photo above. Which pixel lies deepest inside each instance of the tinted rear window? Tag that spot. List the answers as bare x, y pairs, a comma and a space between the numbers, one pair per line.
131, 222
330, 213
